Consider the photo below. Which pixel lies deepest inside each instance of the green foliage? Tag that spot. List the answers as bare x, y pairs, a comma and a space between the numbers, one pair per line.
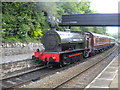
20, 20
99, 30
37, 33
79, 8
25, 21
117, 36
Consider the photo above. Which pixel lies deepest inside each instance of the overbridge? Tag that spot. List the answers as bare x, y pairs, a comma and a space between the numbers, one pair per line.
91, 20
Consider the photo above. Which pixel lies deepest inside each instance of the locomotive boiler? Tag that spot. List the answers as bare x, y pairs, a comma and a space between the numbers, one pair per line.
62, 41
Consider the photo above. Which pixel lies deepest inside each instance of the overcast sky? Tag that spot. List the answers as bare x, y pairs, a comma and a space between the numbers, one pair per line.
106, 6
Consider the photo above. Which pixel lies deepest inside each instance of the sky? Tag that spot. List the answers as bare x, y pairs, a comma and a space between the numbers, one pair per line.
106, 6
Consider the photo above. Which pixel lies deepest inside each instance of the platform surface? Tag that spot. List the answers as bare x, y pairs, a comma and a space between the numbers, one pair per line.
14, 58
108, 78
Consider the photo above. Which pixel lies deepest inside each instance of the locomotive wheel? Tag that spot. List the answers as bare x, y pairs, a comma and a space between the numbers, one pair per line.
73, 60
44, 61
86, 54
80, 57
66, 61
91, 54
49, 65
76, 59
61, 65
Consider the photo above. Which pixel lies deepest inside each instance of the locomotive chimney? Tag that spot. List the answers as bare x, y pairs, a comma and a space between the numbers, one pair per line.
49, 10
51, 20
52, 23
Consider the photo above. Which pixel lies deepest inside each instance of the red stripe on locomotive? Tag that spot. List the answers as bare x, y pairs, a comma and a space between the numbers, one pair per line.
75, 54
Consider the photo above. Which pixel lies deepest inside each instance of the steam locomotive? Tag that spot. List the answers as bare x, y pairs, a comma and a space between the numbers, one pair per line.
63, 48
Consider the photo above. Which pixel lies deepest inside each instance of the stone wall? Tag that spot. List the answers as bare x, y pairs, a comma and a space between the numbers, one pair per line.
8, 49
13, 49
15, 66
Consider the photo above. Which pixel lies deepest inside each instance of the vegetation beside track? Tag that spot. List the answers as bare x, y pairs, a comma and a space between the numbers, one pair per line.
27, 21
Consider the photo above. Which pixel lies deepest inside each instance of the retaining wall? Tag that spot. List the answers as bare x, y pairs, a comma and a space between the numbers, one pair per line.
13, 49
8, 68
8, 49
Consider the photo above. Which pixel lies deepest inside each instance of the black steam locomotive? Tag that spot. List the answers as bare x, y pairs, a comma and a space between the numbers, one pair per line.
63, 48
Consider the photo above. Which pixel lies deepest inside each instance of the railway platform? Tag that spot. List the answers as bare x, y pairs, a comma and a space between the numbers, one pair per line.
14, 58
108, 78
11, 64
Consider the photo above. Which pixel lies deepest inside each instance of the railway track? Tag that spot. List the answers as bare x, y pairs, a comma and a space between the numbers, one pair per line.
82, 74
19, 79
23, 71
29, 76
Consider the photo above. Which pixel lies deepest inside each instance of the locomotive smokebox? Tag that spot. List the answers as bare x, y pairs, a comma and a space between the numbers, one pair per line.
51, 40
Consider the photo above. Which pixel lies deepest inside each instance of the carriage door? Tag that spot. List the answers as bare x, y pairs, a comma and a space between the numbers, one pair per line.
88, 40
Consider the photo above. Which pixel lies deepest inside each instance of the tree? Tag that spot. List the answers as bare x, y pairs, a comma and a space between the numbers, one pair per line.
27, 21
20, 20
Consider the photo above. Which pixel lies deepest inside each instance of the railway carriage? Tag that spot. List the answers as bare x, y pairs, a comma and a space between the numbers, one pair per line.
67, 47
98, 43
